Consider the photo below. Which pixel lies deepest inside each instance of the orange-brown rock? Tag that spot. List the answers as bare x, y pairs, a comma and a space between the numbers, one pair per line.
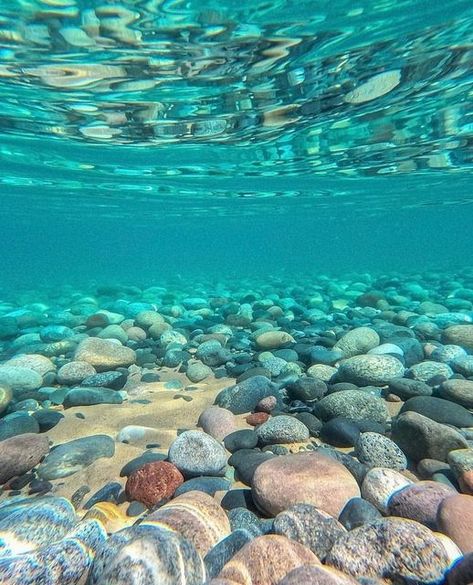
266, 560
257, 418
303, 478
455, 519
154, 482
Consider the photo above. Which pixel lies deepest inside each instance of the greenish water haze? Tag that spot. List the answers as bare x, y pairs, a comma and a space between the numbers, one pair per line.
145, 139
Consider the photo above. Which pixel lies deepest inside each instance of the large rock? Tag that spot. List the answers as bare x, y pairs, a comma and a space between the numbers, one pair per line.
71, 457
439, 410
266, 559
196, 453
104, 354
396, 550
459, 335
420, 437
20, 454
455, 519
352, 404
244, 397
366, 370
308, 478
358, 341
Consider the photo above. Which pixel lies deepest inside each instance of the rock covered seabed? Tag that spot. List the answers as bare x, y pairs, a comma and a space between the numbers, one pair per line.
290, 431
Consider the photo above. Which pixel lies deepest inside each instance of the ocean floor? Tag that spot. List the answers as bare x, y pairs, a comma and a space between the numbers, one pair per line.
308, 429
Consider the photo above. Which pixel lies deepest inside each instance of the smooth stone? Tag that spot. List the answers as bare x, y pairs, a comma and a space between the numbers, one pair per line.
455, 519
244, 396
74, 372
365, 370
420, 502
20, 454
317, 575
238, 498
267, 404
462, 572
244, 519
6, 395
108, 493
246, 462
309, 526
282, 429
225, 550
217, 422
197, 517
196, 453
368, 551
273, 340
407, 388
113, 380
197, 371
242, 439
250, 565
352, 404
459, 391
134, 464
463, 365
136, 509
380, 484
20, 379
90, 396
322, 372
375, 450
17, 423
357, 341
257, 418
147, 553
47, 419
420, 437
31, 361
104, 354
153, 483
358, 512
461, 335
69, 458
322, 355
461, 464
311, 479
340, 432
357, 469
134, 434
311, 422
307, 389
209, 485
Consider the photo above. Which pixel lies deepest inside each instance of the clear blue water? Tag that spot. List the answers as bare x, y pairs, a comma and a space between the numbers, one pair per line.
146, 139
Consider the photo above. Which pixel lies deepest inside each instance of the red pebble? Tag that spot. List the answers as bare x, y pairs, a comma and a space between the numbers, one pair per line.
257, 418
153, 483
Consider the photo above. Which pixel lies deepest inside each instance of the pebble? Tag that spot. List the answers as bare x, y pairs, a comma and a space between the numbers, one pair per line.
209, 485
311, 479
340, 432
20, 454
368, 551
358, 512
217, 422
307, 389
17, 423
461, 335
242, 439
244, 396
246, 461
113, 380
69, 458
91, 396
406, 388
196, 453
352, 404
380, 484
430, 371
225, 550
197, 371
273, 340
365, 370
47, 419
257, 418
104, 354
455, 518
282, 429
357, 341
20, 379
458, 391
375, 450
153, 483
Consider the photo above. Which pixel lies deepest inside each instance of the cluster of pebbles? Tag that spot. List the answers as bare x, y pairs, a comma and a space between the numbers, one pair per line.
338, 449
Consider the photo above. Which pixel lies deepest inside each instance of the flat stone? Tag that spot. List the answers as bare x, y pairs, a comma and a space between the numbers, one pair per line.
308, 478
104, 354
69, 458
439, 410
91, 396
20, 454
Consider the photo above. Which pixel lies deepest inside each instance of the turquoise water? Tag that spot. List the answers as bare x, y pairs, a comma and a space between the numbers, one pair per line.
147, 139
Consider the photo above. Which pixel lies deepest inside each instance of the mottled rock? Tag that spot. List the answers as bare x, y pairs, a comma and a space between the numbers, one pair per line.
244, 397
20, 379
257, 418
376, 450
365, 370
317, 575
459, 391
153, 483
282, 429
461, 335
396, 550
250, 565
196, 453
352, 404
461, 463
380, 484
420, 437
197, 371
307, 389
311, 527
20, 454
407, 388
91, 396
311, 478
358, 341
428, 371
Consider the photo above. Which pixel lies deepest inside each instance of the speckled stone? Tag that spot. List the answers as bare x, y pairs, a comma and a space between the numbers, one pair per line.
357, 341
311, 527
459, 391
317, 575
426, 371
196, 453
394, 549
257, 418
376, 450
308, 478
461, 335
153, 483
380, 484
244, 396
197, 516
352, 404
250, 565
366, 370
282, 429
104, 354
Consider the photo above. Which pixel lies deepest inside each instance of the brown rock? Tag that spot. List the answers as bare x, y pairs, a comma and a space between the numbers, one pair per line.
257, 418
317, 575
217, 422
20, 454
197, 516
420, 502
303, 478
266, 560
153, 483
455, 519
